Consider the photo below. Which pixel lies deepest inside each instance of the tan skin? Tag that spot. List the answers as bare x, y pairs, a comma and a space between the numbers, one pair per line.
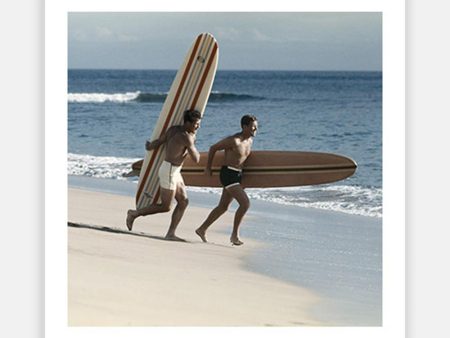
180, 142
237, 149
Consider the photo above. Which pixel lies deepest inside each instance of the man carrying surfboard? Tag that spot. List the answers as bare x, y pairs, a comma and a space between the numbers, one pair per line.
237, 148
179, 141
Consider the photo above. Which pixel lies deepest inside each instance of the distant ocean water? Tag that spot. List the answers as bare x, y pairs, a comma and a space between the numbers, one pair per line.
112, 112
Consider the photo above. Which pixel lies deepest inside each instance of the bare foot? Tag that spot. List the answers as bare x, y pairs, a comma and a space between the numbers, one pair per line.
236, 241
130, 219
174, 238
201, 234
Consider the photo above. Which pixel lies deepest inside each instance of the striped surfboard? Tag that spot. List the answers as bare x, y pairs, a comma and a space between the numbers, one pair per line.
190, 90
270, 169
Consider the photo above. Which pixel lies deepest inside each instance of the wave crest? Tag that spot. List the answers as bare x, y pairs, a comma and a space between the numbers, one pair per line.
149, 97
101, 97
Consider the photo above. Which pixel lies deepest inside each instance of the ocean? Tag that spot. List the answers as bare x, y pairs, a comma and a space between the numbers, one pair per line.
112, 112
327, 238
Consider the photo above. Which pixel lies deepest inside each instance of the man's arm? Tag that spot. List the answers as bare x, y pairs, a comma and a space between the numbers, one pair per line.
250, 154
158, 142
226, 143
192, 150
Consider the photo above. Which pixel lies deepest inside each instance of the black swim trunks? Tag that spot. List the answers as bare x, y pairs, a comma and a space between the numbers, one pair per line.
230, 176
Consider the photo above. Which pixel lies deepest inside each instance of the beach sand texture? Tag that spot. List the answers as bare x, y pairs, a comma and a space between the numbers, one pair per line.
118, 278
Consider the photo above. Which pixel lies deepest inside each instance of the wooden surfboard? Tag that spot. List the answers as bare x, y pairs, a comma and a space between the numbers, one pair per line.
190, 90
270, 169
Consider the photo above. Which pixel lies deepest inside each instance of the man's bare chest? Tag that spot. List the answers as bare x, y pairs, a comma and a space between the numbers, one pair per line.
243, 149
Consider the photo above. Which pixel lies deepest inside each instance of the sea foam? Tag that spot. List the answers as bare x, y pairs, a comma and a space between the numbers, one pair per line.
102, 97
98, 166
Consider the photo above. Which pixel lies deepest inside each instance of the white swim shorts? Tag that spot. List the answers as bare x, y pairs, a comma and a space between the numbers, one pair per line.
169, 176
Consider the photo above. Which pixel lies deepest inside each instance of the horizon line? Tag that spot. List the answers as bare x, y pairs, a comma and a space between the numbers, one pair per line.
242, 70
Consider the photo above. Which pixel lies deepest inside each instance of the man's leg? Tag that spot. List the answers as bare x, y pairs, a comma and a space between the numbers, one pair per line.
218, 211
238, 193
166, 200
182, 203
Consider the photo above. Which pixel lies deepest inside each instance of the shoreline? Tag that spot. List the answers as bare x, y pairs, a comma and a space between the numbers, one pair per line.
143, 280
313, 249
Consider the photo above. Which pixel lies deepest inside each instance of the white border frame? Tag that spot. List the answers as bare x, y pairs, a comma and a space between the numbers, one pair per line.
56, 317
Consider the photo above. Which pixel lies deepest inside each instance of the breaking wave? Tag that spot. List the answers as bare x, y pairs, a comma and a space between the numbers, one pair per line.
149, 97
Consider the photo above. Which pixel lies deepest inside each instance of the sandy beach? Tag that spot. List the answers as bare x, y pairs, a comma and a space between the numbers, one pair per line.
121, 278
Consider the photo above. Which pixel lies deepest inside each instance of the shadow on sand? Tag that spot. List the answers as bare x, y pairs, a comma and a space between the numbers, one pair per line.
116, 231
139, 234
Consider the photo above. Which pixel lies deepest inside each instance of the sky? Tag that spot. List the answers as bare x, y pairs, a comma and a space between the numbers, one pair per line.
247, 41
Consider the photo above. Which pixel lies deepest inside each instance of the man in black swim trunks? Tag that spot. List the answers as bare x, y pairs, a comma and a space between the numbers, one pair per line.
237, 149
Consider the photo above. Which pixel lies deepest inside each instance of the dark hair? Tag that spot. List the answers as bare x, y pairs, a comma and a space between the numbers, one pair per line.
191, 114
247, 119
